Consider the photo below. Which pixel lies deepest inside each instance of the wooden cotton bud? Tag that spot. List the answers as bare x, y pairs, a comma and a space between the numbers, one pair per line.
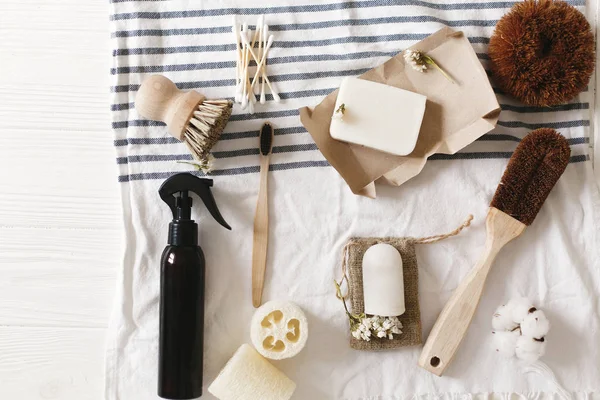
519, 307
506, 342
503, 319
530, 349
535, 325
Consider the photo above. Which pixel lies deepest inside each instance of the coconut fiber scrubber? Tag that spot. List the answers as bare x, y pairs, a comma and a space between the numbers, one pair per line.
537, 163
542, 52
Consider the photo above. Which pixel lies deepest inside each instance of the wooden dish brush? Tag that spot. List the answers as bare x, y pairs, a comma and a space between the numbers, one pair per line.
535, 166
189, 116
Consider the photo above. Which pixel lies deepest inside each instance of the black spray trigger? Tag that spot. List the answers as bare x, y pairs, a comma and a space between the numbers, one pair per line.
180, 206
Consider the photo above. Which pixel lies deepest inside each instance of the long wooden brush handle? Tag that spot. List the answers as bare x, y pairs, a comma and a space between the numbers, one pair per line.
452, 324
261, 234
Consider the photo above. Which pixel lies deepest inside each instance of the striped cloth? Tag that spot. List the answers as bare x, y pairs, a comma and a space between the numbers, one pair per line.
313, 212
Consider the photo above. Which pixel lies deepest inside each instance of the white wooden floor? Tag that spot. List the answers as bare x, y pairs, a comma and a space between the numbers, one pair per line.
60, 216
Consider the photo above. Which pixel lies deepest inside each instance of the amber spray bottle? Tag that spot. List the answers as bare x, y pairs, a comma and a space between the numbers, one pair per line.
182, 290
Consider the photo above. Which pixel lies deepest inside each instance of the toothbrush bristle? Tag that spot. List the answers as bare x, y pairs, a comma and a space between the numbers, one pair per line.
266, 139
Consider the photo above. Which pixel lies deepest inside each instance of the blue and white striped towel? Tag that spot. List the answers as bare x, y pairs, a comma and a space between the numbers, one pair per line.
313, 212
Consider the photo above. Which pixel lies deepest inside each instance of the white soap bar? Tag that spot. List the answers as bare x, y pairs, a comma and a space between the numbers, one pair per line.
379, 116
279, 330
248, 376
383, 281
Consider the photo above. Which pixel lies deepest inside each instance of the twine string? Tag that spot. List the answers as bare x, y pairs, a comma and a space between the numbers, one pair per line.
344, 279
438, 238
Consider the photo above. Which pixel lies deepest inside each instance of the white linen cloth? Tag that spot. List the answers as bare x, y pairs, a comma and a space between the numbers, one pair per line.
555, 262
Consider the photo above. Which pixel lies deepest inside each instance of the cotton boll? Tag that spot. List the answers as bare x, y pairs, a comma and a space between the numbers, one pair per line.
519, 307
502, 319
535, 325
506, 342
529, 349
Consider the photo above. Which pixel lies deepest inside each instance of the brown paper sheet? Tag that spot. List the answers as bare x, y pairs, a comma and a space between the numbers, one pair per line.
456, 114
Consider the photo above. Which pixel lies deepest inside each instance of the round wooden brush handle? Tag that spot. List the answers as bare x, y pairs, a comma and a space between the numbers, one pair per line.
159, 99
452, 324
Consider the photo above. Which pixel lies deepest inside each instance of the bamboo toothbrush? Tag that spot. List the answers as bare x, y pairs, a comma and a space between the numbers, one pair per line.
261, 219
537, 163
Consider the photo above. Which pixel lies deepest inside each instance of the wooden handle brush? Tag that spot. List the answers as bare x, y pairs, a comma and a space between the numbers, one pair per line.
261, 219
189, 116
537, 163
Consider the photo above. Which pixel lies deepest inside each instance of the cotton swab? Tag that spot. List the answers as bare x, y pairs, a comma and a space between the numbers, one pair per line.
260, 64
250, 52
262, 61
263, 41
258, 38
238, 62
265, 78
273, 91
259, 25
245, 56
247, 92
259, 51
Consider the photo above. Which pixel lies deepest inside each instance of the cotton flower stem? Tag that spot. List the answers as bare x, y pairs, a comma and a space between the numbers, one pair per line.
430, 61
206, 168
354, 319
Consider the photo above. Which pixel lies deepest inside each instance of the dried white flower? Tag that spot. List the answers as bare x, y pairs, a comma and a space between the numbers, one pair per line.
506, 342
413, 58
503, 319
535, 325
530, 349
519, 307
340, 111
419, 62
519, 330
205, 165
363, 327
376, 326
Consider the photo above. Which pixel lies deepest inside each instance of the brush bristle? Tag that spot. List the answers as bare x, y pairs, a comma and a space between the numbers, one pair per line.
206, 125
532, 171
266, 139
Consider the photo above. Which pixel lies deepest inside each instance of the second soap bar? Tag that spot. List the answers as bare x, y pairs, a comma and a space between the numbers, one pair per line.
379, 116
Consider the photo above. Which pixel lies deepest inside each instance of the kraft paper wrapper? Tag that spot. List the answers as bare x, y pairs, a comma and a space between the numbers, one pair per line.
456, 114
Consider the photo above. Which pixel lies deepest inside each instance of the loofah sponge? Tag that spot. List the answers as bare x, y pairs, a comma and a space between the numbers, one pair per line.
542, 52
279, 330
248, 376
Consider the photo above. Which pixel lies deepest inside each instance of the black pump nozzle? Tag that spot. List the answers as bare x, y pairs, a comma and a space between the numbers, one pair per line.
181, 205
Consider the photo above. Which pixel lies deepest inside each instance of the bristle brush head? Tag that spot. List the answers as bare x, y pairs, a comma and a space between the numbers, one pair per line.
266, 139
532, 171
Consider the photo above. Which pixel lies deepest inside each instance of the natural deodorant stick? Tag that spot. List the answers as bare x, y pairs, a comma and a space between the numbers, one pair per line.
383, 281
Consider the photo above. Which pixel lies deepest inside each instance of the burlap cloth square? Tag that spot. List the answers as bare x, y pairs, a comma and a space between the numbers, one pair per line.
411, 319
